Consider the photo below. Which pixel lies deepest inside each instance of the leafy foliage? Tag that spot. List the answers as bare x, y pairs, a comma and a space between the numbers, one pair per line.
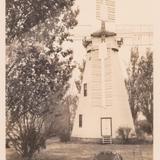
123, 133
140, 85
61, 121
108, 156
38, 67
145, 86
132, 82
30, 86
33, 79
81, 70
27, 136
22, 16
142, 127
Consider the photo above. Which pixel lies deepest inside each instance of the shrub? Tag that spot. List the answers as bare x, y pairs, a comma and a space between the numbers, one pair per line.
144, 126
108, 156
123, 134
140, 134
64, 136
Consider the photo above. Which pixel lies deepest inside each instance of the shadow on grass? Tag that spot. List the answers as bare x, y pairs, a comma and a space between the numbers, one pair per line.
12, 155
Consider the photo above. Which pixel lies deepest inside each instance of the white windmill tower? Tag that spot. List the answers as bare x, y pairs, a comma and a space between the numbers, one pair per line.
103, 102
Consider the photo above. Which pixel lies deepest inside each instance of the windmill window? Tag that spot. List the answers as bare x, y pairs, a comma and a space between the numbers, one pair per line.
80, 120
85, 89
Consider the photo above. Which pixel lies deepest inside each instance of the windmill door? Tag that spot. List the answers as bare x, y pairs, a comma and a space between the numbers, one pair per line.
106, 126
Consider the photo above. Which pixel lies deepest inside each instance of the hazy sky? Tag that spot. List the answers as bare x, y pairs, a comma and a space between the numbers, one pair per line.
127, 12
134, 11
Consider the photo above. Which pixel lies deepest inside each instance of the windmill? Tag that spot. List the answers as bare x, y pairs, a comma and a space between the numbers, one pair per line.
103, 102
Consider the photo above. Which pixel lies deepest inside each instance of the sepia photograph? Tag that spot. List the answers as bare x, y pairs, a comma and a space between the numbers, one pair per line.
79, 80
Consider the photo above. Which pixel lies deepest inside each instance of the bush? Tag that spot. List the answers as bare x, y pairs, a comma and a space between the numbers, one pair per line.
123, 134
144, 126
108, 156
140, 133
64, 136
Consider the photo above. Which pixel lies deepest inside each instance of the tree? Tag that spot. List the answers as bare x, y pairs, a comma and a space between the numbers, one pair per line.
23, 16
131, 83
37, 69
68, 111
30, 85
81, 69
145, 86
143, 126
61, 121
124, 133
140, 85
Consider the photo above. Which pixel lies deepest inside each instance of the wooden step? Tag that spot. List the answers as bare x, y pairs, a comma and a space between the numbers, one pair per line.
107, 140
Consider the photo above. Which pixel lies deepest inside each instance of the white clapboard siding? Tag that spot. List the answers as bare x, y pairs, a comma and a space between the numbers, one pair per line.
115, 104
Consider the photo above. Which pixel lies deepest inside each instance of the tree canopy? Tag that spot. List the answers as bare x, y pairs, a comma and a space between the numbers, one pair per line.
140, 85
22, 16
38, 67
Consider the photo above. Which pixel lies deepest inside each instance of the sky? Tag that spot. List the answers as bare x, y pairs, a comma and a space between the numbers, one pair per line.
127, 11
136, 12
130, 12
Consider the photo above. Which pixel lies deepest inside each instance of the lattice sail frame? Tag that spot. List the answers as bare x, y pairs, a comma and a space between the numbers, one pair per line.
105, 7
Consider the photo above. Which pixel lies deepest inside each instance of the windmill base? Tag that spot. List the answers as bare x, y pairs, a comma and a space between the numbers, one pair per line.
102, 140
86, 140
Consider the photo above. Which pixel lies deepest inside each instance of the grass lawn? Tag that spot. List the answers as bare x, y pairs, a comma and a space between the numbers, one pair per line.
76, 151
